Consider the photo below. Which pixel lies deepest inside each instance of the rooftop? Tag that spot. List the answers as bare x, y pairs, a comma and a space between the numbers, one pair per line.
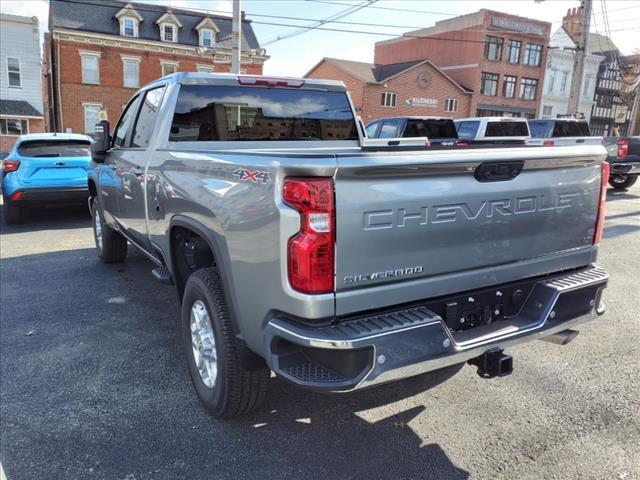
101, 18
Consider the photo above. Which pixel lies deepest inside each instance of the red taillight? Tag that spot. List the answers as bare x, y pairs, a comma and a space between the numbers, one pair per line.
623, 148
548, 143
605, 168
16, 196
270, 81
311, 251
10, 165
461, 144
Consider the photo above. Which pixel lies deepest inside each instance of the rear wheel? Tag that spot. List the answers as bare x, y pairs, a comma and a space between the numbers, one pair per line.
621, 182
111, 246
224, 386
14, 214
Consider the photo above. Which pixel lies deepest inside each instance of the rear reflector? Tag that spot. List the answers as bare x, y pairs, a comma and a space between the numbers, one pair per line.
623, 148
270, 81
548, 143
16, 196
10, 165
311, 252
605, 168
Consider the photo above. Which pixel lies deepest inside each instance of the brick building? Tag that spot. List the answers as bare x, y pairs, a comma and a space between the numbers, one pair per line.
20, 85
500, 57
417, 88
96, 55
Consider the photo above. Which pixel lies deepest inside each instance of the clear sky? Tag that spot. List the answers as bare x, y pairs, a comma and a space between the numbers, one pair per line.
296, 55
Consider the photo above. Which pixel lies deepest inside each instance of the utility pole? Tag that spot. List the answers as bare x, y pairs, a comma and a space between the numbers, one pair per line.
236, 48
578, 61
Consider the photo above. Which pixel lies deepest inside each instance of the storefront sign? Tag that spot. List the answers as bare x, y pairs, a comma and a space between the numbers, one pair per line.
421, 102
516, 26
620, 113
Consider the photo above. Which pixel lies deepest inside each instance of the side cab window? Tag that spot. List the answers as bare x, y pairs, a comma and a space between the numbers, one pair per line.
372, 129
146, 121
122, 133
389, 129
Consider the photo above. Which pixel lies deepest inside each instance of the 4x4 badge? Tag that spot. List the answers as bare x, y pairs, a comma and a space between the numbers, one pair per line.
252, 176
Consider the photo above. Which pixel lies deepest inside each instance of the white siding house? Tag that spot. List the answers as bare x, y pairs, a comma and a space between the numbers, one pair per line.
558, 75
21, 108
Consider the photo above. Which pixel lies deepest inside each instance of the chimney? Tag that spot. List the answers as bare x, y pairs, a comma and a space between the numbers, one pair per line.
571, 23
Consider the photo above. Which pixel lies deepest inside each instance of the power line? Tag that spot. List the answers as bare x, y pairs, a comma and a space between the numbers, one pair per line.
393, 9
319, 23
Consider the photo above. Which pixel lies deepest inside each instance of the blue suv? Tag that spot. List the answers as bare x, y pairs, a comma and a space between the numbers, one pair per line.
44, 169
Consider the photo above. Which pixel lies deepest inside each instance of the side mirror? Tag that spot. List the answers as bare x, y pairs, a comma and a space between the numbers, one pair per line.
102, 141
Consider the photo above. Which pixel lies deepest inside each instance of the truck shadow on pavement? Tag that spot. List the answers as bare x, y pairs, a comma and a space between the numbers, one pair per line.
95, 385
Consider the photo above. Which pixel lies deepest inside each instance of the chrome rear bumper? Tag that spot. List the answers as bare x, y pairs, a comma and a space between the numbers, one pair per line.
391, 346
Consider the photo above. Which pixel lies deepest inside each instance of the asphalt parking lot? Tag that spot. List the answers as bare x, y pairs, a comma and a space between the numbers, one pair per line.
94, 385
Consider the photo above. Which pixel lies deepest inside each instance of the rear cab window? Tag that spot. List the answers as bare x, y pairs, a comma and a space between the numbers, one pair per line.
468, 130
507, 129
54, 148
540, 128
431, 128
234, 113
571, 129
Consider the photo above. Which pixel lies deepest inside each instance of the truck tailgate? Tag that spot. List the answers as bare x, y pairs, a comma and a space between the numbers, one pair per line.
405, 216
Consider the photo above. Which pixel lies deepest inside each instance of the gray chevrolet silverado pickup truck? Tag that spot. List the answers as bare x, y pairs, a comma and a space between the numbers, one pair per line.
299, 246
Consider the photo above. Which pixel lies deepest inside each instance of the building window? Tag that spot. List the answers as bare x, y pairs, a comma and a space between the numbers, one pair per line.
509, 86
13, 126
552, 81
129, 27
206, 37
131, 71
90, 67
547, 110
514, 51
563, 83
450, 104
13, 72
169, 32
91, 116
388, 99
168, 67
587, 87
533, 55
528, 87
489, 84
493, 48
204, 68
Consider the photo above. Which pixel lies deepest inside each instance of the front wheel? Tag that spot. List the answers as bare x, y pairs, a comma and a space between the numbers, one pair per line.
621, 182
224, 386
111, 246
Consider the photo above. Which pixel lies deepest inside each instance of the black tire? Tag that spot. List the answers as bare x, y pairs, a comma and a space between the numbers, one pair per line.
622, 182
236, 390
114, 245
14, 214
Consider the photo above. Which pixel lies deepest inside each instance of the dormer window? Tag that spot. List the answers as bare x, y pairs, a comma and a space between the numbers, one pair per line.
169, 25
206, 37
129, 20
169, 33
207, 30
128, 27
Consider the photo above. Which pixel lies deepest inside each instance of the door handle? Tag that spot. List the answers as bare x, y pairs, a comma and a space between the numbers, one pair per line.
60, 164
